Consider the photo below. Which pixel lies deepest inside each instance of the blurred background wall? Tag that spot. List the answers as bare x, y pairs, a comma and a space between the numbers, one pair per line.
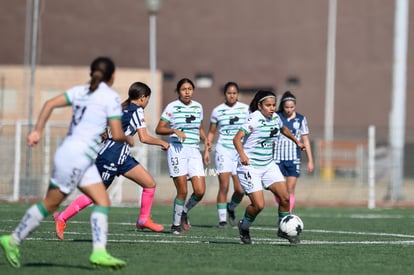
271, 44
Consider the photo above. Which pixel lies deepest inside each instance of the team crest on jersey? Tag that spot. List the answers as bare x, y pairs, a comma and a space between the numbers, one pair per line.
296, 124
195, 108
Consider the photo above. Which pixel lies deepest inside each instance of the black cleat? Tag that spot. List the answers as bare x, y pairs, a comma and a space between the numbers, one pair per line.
291, 239
244, 234
176, 230
222, 225
185, 222
232, 216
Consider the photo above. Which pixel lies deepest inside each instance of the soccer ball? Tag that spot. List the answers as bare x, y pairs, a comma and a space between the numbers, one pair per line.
291, 225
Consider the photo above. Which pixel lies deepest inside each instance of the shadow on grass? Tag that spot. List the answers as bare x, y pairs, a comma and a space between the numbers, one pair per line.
207, 226
82, 240
224, 242
58, 265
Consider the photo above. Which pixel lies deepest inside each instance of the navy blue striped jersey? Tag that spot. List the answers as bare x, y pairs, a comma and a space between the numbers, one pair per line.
286, 149
132, 120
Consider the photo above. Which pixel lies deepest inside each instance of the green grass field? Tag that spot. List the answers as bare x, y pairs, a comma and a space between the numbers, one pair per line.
334, 241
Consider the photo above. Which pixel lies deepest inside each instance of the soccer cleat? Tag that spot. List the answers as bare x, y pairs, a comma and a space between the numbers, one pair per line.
232, 216
176, 230
151, 225
244, 234
222, 225
185, 222
102, 258
59, 226
10, 251
291, 239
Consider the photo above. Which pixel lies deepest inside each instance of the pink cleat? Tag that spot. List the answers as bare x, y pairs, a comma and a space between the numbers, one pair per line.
59, 226
151, 225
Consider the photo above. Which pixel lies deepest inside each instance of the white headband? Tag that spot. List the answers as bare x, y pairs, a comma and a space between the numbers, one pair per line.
266, 97
289, 99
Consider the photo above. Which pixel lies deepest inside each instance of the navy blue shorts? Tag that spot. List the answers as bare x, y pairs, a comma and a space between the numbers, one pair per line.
108, 169
289, 168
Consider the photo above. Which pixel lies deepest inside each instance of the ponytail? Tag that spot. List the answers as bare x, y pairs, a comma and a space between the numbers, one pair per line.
96, 78
126, 103
102, 70
136, 90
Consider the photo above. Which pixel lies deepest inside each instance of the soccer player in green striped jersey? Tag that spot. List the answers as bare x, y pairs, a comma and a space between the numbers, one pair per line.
182, 120
257, 170
226, 119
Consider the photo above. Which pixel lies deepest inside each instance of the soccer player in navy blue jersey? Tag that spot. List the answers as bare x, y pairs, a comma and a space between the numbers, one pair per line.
287, 155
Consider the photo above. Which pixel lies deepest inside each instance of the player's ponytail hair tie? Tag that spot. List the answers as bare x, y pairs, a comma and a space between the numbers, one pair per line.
289, 99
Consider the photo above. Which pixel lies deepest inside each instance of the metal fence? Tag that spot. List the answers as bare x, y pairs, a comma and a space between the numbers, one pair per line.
26, 171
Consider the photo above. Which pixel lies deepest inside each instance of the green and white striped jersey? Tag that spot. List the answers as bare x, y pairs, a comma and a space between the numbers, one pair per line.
186, 118
229, 120
261, 133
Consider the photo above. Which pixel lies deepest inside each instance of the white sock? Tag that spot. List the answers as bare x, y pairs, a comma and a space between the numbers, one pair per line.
30, 221
99, 226
178, 210
222, 212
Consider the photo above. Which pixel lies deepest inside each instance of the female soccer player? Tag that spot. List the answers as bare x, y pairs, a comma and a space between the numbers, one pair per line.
182, 120
257, 169
94, 106
287, 154
115, 159
227, 118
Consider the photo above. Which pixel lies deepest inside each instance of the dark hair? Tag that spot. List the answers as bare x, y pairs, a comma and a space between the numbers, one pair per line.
102, 69
228, 85
182, 82
287, 96
258, 97
136, 90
